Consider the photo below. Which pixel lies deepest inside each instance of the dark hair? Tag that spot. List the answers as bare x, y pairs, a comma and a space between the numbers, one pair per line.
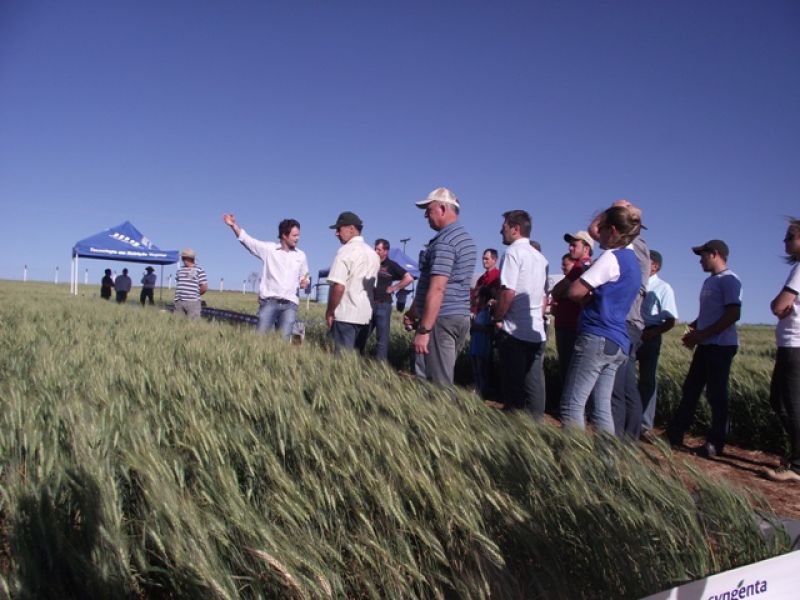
124, 271
383, 242
628, 223
491, 251
569, 256
519, 218
536, 245
285, 227
794, 223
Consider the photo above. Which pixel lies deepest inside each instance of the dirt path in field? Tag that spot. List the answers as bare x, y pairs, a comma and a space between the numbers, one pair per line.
743, 468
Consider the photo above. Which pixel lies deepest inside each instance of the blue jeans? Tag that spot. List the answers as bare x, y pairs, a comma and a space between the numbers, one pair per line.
626, 404
710, 369
593, 366
349, 336
522, 371
276, 313
648, 355
381, 321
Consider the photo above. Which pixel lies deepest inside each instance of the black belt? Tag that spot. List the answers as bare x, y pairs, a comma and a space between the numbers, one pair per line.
279, 300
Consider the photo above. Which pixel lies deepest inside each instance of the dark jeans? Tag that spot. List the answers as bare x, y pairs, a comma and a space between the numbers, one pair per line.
784, 395
565, 344
648, 355
522, 374
122, 297
710, 369
146, 294
481, 370
381, 322
349, 336
626, 404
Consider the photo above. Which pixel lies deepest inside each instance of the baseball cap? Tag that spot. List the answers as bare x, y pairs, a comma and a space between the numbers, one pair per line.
579, 235
441, 195
347, 218
187, 253
717, 246
655, 256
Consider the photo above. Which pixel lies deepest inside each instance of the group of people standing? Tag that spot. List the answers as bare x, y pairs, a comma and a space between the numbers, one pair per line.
608, 315
122, 286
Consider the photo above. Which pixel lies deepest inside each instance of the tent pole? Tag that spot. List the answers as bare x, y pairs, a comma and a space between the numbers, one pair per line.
77, 259
161, 287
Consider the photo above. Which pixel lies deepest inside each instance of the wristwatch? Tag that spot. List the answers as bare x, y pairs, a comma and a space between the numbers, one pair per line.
422, 331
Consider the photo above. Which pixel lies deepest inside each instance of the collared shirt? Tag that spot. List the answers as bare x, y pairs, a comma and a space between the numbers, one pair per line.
451, 252
719, 291
187, 283
659, 303
356, 268
524, 270
282, 269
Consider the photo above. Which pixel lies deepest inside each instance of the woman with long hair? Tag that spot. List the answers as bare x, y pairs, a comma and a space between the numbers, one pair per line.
607, 290
785, 385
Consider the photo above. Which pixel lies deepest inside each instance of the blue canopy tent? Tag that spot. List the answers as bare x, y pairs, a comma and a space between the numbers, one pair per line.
124, 243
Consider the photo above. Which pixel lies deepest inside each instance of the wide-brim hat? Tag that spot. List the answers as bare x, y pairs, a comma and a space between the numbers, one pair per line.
151, 269
188, 253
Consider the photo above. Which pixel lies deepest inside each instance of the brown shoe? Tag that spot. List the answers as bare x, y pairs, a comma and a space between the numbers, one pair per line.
783, 474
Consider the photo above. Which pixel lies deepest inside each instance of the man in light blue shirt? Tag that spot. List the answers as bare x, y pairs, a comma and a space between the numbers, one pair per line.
659, 313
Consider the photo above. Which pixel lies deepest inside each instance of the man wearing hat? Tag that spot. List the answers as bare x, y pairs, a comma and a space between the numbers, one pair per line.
441, 306
148, 285
564, 310
352, 280
714, 340
190, 284
285, 268
659, 312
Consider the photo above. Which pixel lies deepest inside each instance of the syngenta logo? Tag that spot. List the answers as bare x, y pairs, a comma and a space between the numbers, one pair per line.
742, 590
124, 238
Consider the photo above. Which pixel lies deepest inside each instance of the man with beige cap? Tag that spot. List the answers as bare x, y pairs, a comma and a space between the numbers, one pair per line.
565, 311
441, 310
190, 284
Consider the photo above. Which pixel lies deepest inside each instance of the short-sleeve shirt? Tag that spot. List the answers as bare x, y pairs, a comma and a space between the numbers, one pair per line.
282, 269
567, 312
659, 303
388, 272
451, 253
355, 266
718, 292
149, 281
787, 333
615, 279
187, 283
524, 270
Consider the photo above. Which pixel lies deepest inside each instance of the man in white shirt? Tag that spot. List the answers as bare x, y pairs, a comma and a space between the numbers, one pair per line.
520, 314
352, 280
660, 313
285, 268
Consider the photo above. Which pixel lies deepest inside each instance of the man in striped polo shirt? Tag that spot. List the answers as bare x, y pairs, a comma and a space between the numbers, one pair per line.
441, 304
190, 284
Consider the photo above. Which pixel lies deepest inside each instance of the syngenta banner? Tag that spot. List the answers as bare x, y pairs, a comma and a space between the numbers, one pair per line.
135, 243
773, 579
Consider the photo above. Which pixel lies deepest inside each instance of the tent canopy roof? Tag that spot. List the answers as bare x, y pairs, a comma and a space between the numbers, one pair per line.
125, 243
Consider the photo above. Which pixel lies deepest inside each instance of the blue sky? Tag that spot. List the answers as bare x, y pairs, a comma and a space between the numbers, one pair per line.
170, 113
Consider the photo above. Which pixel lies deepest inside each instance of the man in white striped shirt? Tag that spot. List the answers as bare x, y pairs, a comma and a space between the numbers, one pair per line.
285, 268
190, 284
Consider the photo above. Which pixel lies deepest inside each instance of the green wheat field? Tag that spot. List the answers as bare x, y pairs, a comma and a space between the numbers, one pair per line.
147, 456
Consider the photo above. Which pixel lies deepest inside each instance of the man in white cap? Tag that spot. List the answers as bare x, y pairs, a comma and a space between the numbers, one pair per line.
441, 307
352, 278
190, 284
